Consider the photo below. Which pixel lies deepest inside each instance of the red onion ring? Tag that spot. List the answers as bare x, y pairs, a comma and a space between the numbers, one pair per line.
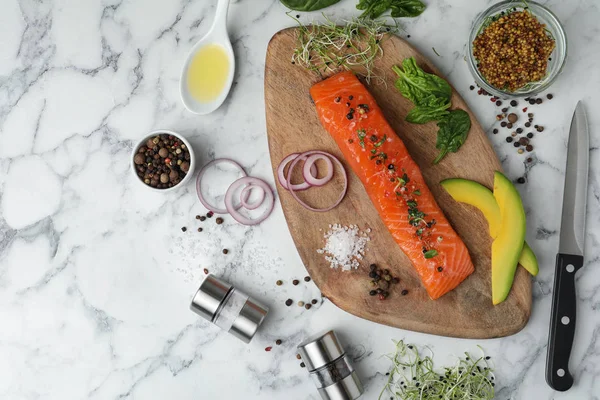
283, 181
310, 177
205, 203
248, 180
245, 194
295, 196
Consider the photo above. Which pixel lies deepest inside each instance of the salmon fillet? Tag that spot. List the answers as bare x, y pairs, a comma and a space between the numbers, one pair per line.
393, 181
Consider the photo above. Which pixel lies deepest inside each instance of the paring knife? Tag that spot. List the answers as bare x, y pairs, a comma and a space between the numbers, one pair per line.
570, 254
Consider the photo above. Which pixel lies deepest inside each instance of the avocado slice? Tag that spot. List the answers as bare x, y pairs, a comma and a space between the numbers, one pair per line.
508, 245
475, 194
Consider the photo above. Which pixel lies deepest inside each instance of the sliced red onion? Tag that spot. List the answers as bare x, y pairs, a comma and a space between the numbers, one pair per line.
205, 203
283, 181
248, 180
307, 170
245, 194
345, 176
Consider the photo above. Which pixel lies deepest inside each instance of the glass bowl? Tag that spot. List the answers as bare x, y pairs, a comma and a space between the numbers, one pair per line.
557, 58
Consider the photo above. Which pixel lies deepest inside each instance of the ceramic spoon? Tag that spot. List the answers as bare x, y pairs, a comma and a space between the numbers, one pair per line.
216, 35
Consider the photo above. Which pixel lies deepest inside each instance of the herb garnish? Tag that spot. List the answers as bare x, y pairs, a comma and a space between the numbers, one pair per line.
329, 47
431, 96
361, 137
430, 253
382, 141
413, 377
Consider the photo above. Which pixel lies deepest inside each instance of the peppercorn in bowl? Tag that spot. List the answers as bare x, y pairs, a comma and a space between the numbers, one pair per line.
516, 49
163, 160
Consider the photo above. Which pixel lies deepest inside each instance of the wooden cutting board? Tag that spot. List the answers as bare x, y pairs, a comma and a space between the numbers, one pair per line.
293, 126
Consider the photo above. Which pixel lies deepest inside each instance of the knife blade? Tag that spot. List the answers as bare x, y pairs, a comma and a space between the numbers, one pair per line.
570, 254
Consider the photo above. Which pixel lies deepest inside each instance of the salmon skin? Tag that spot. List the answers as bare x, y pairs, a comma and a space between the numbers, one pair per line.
393, 181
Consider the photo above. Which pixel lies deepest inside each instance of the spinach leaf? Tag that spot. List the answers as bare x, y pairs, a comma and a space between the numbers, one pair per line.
424, 114
407, 8
418, 86
431, 108
308, 5
452, 133
399, 8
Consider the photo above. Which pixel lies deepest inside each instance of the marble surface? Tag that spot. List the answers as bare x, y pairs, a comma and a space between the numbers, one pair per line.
95, 273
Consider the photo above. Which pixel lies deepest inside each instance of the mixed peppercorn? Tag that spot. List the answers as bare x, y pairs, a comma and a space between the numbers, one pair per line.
513, 50
162, 162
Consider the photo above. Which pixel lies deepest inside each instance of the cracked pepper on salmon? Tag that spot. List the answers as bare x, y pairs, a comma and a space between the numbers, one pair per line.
393, 181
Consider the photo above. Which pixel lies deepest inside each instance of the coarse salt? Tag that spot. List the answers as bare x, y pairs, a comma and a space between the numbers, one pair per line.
344, 246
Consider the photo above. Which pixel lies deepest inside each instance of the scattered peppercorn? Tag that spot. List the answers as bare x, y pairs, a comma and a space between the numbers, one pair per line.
395, 280
307, 279
308, 306
495, 131
540, 128
269, 348
206, 271
519, 130
289, 302
509, 125
527, 124
521, 180
471, 87
514, 103
202, 218
298, 356
183, 229
530, 135
505, 109
538, 101
279, 282
295, 282
197, 217
516, 144
549, 96
200, 229
529, 148
338, 99
302, 365
524, 141
531, 101
498, 103
404, 292
278, 342
300, 303
512, 118
440, 269
529, 159
509, 139
520, 151
219, 221
503, 124
210, 214
225, 251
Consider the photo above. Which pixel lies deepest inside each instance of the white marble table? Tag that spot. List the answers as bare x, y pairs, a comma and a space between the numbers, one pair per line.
95, 273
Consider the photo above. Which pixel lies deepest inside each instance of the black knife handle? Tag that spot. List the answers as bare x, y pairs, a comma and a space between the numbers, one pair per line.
562, 322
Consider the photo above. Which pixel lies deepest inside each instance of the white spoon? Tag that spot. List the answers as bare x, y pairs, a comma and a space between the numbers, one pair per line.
217, 35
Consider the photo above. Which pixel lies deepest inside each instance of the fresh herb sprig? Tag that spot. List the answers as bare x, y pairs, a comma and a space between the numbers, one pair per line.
413, 376
354, 45
308, 5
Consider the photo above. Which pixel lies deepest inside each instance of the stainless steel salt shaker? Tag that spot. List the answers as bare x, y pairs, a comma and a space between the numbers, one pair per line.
229, 308
330, 367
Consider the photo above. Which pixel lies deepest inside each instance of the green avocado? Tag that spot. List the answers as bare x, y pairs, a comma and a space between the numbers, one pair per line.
508, 245
475, 194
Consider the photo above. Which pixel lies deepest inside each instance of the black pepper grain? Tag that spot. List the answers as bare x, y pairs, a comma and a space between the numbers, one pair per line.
495, 131
509, 139
404, 292
225, 251
278, 342
521, 180
200, 229
529, 148
514, 103
183, 229
538, 101
527, 124
530, 135
219, 221
307, 279
289, 302
295, 282
549, 96
308, 306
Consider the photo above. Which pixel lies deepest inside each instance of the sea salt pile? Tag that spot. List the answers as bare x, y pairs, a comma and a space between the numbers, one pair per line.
344, 246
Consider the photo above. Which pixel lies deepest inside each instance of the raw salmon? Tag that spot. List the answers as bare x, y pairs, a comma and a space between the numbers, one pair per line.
393, 181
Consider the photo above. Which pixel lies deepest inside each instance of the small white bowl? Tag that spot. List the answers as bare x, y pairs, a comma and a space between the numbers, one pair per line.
143, 141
